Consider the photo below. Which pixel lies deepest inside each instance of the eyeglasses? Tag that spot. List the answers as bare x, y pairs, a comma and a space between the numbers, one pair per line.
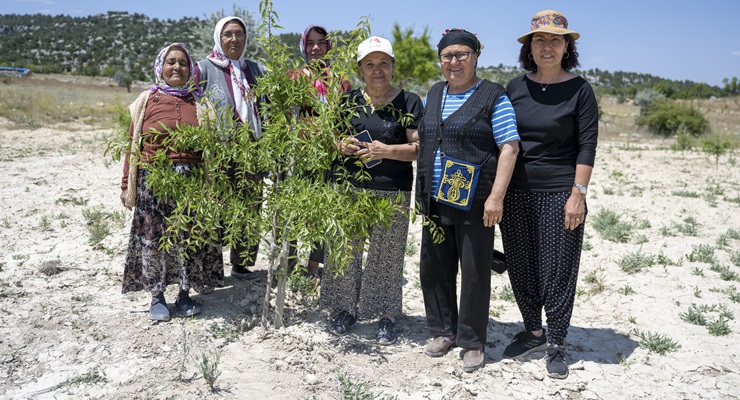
461, 56
230, 35
553, 42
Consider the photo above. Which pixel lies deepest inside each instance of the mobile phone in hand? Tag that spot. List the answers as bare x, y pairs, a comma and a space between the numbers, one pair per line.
364, 137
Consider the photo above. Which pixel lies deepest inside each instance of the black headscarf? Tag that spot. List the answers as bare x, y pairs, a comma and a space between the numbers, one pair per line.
459, 36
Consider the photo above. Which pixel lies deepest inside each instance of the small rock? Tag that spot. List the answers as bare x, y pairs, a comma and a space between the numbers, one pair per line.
311, 379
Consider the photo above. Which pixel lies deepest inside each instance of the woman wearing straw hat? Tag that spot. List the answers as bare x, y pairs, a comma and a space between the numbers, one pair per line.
545, 205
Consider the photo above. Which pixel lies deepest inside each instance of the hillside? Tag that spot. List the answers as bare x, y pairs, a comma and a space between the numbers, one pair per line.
123, 44
93, 45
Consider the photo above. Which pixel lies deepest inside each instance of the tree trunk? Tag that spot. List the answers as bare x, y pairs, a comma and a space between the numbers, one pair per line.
282, 275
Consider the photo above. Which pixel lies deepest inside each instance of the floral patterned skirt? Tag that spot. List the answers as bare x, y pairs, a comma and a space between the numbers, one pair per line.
147, 267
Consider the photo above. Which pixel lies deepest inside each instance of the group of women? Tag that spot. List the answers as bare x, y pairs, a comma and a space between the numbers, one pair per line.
519, 156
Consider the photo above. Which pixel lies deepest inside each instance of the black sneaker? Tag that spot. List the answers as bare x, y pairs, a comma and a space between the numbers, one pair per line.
557, 367
342, 323
524, 343
386, 332
244, 274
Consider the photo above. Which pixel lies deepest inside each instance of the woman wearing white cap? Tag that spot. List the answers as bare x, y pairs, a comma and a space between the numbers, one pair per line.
376, 290
545, 206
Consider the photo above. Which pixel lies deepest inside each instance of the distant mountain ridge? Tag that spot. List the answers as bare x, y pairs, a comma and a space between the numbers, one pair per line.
121, 43
93, 45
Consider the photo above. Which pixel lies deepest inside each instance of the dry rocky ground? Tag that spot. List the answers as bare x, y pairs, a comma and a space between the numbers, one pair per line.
66, 331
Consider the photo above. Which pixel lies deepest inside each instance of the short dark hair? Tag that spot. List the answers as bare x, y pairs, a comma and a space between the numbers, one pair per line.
567, 63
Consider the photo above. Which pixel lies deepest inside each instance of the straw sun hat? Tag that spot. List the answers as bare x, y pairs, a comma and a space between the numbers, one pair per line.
549, 21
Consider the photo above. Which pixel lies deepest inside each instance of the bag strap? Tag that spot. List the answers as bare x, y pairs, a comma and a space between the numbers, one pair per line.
440, 142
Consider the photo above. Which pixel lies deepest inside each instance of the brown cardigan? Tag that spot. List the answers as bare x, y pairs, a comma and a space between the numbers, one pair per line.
171, 111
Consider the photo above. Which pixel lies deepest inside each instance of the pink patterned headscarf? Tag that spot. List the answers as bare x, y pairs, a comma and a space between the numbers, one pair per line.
319, 83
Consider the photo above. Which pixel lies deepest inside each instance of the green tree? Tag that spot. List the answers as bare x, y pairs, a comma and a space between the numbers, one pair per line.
123, 79
416, 60
732, 87
717, 145
294, 205
668, 117
646, 98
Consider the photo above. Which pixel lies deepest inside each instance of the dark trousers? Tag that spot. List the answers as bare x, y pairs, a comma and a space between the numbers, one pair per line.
317, 254
470, 247
543, 258
245, 255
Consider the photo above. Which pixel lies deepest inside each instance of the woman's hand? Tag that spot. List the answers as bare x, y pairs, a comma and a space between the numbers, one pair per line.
493, 210
375, 150
348, 146
124, 193
575, 210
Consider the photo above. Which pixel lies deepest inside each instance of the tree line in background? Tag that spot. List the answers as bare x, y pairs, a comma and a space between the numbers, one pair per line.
121, 46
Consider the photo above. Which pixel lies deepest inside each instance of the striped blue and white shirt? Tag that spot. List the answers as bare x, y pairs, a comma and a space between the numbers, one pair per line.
503, 121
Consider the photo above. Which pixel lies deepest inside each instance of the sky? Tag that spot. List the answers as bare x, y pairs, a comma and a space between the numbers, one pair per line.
679, 39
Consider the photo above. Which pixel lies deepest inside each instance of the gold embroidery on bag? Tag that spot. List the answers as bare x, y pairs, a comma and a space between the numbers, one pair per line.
457, 181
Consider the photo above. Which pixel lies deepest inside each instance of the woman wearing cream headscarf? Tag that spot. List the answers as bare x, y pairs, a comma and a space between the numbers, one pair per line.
227, 79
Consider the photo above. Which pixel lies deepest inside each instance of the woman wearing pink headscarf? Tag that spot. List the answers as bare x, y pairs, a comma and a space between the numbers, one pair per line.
227, 79
314, 46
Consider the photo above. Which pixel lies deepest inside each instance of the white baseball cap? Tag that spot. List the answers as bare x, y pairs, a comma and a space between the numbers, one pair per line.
373, 44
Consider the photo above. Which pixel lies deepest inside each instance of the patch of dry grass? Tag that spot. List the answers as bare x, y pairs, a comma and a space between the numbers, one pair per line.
41, 100
618, 119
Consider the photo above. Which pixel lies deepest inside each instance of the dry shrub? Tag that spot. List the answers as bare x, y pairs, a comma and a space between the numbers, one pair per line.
51, 267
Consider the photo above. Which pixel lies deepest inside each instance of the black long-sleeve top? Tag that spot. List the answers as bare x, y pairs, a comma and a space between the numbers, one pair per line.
558, 128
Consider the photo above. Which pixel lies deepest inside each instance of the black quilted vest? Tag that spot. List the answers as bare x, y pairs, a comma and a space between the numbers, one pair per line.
467, 135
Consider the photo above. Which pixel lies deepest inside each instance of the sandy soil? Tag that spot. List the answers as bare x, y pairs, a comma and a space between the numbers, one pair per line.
67, 332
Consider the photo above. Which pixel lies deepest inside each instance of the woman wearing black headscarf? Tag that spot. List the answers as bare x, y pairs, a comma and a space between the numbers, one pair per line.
467, 120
